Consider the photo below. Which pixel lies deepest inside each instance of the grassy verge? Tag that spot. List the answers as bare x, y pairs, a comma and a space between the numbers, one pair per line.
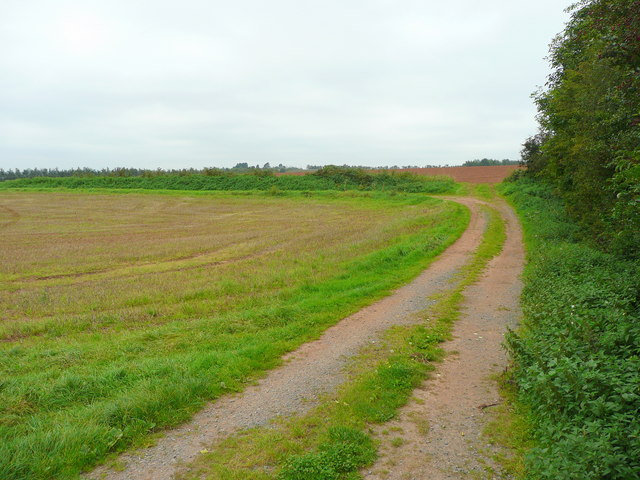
76, 389
334, 441
509, 428
577, 354
483, 191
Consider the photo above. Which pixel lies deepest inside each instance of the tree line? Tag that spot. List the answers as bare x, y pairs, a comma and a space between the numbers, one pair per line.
239, 168
489, 162
588, 144
14, 174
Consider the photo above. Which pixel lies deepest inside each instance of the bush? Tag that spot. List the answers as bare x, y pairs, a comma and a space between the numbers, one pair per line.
577, 355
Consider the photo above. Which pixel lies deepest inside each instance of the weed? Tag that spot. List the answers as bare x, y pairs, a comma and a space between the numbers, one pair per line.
345, 450
397, 442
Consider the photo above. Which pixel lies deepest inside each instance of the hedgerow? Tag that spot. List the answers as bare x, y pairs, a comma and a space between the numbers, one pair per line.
577, 354
328, 178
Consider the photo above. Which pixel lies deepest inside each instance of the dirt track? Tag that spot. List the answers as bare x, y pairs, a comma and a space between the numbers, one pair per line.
442, 427
285, 391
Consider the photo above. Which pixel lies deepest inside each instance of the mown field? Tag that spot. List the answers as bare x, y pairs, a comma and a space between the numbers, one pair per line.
124, 313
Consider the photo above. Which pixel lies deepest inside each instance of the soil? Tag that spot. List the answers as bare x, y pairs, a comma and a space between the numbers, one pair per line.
441, 428
317, 367
491, 174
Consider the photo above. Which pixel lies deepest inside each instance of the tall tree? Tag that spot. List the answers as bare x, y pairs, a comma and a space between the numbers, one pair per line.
590, 120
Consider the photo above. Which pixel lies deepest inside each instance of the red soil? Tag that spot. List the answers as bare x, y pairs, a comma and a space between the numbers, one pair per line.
493, 174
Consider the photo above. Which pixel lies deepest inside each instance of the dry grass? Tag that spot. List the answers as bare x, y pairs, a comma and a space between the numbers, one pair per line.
78, 256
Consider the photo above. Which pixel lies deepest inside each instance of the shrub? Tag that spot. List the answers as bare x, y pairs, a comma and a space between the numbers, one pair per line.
577, 355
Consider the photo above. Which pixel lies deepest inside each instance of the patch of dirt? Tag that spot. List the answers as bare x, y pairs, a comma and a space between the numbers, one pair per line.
315, 368
438, 435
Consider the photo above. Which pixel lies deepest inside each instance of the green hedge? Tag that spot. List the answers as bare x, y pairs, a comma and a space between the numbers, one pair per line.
577, 355
329, 178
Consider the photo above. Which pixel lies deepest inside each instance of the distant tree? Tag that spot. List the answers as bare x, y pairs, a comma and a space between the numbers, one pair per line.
486, 162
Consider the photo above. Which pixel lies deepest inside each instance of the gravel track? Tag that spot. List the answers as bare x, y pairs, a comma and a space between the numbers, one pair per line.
314, 368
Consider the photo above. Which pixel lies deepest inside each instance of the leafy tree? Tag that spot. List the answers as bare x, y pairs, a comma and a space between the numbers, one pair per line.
589, 145
531, 153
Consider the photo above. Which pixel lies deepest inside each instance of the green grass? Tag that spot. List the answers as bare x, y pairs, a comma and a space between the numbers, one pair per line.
81, 385
577, 354
483, 191
510, 429
381, 380
340, 179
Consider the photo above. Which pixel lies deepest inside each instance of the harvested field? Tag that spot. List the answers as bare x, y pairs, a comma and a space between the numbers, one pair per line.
123, 314
492, 174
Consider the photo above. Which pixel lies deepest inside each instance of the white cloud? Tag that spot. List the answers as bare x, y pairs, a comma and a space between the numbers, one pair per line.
195, 83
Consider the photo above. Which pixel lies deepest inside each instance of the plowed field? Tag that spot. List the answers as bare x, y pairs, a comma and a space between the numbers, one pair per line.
493, 174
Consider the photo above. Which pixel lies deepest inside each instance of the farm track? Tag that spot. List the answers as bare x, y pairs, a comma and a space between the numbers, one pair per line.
313, 369
442, 427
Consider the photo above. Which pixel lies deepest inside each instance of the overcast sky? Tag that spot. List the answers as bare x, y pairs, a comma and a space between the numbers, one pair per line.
196, 83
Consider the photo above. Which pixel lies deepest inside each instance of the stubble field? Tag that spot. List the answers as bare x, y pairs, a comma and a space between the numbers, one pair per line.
123, 313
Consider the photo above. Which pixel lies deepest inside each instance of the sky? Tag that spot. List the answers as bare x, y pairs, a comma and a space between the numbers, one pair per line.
198, 83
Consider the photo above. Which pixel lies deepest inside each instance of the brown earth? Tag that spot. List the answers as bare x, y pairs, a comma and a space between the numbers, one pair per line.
451, 404
492, 174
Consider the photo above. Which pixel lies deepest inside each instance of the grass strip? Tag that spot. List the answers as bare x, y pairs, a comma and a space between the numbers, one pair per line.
334, 441
327, 179
508, 428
